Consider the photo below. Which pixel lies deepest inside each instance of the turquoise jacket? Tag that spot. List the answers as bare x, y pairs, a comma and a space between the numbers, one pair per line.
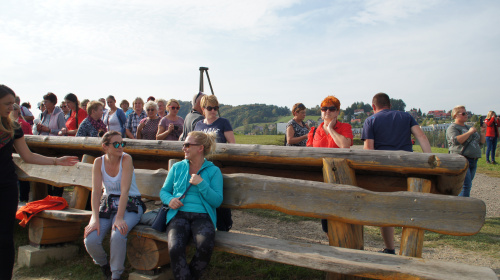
210, 189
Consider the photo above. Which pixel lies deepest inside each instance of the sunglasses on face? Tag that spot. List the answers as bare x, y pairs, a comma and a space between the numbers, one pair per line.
175, 108
118, 144
331, 108
463, 113
150, 110
187, 145
210, 108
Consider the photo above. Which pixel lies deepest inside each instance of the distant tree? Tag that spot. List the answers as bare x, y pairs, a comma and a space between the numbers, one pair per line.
474, 118
419, 112
398, 104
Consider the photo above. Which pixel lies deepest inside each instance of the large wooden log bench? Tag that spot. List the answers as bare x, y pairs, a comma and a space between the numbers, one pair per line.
334, 202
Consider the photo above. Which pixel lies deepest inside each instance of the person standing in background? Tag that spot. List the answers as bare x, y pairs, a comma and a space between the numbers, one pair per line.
193, 117
135, 118
492, 125
77, 115
391, 130
115, 118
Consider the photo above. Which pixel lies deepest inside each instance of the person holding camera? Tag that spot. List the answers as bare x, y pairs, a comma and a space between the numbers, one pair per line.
466, 141
492, 124
171, 125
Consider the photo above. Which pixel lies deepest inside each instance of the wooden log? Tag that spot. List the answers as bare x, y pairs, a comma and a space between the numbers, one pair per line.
44, 231
376, 162
412, 239
39, 190
453, 215
147, 254
341, 234
81, 194
334, 259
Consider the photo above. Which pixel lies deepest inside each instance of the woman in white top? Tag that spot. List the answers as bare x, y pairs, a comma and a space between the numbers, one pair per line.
120, 208
115, 118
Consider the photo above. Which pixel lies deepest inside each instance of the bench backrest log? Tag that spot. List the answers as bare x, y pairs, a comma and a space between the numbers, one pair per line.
439, 213
381, 171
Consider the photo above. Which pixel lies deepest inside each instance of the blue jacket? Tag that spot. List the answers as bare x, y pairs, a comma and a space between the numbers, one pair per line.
210, 189
123, 120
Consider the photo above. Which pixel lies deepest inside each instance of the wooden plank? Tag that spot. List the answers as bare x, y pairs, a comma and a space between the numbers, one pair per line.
341, 234
452, 215
412, 239
334, 259
378, 162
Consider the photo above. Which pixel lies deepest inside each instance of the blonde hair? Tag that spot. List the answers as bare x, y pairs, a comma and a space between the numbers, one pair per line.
93, 105
490, 114
137, 99
170, 101
454, 112
11, 115
161, 100
208, 140
208, 100
150, 104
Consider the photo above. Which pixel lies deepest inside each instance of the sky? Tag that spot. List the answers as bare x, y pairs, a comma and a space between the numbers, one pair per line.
432, 54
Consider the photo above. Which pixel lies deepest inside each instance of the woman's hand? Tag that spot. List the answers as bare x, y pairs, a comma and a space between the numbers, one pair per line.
120, 225
42, 128
472, 130
93, 225
170, 128
195, 179
63, 131
175, 203
67, 160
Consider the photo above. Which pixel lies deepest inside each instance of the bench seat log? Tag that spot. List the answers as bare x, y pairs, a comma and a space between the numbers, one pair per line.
450, 215
333, 259
448, 169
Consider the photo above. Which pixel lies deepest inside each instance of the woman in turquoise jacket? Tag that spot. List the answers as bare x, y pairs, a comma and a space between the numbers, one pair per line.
192, 190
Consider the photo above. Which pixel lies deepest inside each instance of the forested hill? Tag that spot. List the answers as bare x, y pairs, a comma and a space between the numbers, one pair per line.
244, 114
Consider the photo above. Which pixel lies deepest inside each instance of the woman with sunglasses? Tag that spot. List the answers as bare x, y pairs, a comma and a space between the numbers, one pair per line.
148, 127
171, 125
118, 209
296, 128
331, 133
466, 141
213, 122
192, 190
12, 136
92, 125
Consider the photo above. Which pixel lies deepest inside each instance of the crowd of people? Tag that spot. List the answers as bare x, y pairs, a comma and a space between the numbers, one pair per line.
194, 211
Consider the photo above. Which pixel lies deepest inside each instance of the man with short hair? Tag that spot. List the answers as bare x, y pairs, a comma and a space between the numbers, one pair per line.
193, 117
391, 130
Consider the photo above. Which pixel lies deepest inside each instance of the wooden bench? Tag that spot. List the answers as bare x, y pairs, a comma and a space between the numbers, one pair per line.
336, 202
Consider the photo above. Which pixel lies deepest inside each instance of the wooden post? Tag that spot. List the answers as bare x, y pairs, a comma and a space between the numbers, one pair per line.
412, 239
39, 190
81, 194
342, 234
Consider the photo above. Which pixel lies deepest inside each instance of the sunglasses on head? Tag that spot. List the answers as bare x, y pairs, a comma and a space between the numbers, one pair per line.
176, 108
210, 108
187, 145
331, 108
118, 144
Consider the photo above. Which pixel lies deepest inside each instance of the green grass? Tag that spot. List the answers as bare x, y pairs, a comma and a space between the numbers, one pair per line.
260, 139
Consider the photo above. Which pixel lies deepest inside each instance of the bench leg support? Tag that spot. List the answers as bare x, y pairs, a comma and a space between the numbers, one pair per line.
30, 256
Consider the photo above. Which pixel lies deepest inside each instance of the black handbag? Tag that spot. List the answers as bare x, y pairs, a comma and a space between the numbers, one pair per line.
160, 222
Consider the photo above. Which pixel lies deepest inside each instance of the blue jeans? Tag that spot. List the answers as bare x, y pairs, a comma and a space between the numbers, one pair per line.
469, 176
118, 243
491, 147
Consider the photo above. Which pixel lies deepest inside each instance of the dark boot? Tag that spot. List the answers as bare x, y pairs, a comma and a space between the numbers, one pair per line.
106, 270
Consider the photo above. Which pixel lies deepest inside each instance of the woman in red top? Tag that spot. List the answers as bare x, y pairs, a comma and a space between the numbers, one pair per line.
330, 133
17, 117
492, 124
77, 115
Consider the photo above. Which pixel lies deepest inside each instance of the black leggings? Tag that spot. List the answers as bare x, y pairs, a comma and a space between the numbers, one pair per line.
8, 208
180, 229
